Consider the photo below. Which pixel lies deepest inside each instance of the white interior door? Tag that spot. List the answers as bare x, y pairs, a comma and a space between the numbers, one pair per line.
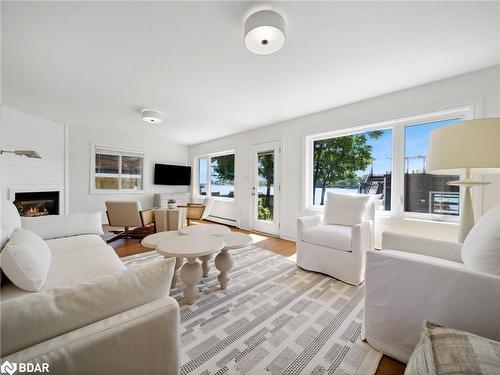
266, 187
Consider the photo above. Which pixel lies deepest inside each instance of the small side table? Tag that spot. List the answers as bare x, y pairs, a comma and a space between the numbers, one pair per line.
170, 219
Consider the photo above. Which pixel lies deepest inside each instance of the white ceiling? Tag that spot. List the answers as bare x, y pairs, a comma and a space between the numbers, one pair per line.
95, 63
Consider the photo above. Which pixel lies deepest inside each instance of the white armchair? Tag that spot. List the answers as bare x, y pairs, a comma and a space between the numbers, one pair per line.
413, 279
336, 250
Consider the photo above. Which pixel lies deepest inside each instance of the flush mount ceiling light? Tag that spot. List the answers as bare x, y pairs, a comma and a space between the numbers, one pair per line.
264, 32
151, 116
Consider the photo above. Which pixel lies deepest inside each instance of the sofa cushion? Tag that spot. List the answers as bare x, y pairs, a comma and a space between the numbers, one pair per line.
59, 246
26, 260
449, 351
10, 221
57, 226
333, 236
37, 317
342, 209
79, 266
481, 248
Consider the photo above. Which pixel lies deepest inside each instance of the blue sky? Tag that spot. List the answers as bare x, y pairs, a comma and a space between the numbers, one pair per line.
416, 143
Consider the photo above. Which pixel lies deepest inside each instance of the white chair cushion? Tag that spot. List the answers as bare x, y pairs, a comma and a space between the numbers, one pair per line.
59, 246
10, 221
333, 236
481, 248
342, 209
57, 226
26, 260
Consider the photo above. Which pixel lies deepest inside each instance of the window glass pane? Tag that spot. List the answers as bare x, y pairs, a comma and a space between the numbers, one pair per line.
132, 183
107, 183
354, 164
222, 176
107, 163
202, 175
132, 165
265, 208
424, 192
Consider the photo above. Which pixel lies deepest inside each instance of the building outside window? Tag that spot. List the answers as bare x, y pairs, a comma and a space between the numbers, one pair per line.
424, 192
216, 175
117, 170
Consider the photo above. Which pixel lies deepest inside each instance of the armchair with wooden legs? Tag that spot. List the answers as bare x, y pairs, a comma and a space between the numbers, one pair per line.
198, 211
128, 214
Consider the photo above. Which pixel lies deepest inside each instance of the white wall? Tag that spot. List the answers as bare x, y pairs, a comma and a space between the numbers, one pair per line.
481, 89
157, 150
20, 130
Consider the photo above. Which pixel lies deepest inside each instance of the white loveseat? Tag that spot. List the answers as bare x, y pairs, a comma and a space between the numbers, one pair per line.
92, 315
415, 279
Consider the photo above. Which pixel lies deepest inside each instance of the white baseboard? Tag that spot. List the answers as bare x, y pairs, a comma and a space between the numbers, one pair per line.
221, 220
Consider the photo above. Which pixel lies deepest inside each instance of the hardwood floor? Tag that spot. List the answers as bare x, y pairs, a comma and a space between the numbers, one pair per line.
126, 247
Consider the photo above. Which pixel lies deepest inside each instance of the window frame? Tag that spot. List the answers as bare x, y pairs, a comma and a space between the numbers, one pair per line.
120, 151
196, 175
398, 127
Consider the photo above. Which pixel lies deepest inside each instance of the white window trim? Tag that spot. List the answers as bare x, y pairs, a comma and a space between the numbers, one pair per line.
119, 150
196, 174
398, 127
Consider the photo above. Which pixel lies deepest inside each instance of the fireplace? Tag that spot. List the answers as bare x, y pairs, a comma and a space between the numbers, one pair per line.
39, 203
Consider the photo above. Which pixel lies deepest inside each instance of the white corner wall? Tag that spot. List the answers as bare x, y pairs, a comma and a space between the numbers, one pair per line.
157, 150
20, 130
480, 88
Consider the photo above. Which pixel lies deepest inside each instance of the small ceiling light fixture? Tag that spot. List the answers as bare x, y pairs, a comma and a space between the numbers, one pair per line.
151, 116
264, 32
28, 153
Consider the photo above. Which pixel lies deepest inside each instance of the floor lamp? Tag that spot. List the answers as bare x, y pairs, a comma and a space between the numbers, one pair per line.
467, 148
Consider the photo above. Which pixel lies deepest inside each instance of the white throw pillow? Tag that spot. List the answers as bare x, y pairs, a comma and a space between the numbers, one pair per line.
10, 221
342, 209
481, 248
26, 260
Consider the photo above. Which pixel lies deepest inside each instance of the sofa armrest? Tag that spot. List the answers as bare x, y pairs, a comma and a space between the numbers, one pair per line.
362, 238
58, 226
305, 222
404, 289
421, 245
143, 340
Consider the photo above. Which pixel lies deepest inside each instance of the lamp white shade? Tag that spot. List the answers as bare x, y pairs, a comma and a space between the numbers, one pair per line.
472, 145
264, 32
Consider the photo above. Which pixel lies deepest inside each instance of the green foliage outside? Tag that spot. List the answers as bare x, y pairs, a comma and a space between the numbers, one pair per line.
336, 161
263, 212
223, 169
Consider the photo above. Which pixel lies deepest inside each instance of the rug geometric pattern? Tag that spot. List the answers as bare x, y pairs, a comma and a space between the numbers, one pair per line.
273, 318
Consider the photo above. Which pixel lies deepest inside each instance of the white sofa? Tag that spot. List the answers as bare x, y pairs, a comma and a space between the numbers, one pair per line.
336, 250
415, 279
92, 315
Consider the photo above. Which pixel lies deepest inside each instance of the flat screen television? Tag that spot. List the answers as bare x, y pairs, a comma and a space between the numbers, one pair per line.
172, 175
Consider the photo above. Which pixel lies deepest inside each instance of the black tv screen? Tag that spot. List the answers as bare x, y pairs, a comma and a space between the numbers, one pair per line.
172, 175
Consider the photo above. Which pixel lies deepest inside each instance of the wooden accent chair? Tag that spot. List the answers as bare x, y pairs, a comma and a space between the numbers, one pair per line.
198, 211
128, 214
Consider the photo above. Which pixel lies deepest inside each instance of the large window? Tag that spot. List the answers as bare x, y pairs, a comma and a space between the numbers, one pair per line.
216, 175
424, 192
354, 164
117, 170
387, 161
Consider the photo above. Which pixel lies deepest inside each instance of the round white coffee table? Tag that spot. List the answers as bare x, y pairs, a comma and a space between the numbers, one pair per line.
223, 260
206, 229
154, 239
190, 247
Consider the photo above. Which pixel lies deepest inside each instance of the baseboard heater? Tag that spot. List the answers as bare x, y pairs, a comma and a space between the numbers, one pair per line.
223, 220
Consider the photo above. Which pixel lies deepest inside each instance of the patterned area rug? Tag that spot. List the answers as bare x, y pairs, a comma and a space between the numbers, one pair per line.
273, 318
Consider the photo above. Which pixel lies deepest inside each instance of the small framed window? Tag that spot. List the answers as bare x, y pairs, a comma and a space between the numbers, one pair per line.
215, 175
116, 170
